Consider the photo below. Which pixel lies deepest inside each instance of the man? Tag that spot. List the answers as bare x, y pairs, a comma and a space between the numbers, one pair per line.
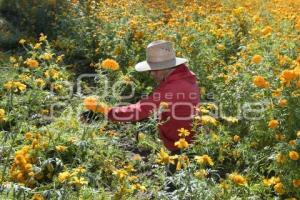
177, 90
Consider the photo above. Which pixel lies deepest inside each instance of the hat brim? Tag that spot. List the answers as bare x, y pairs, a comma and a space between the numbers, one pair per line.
148, 66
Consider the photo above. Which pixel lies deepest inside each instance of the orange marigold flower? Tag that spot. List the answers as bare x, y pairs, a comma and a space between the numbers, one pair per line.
283, 103
296, 183
32, 63
294, 155
273, 123
102, 108
256, 59
261, 82
237, 179
236, 138
90, 103
279, 188
288, 75
110, 64
267, 31
37, 196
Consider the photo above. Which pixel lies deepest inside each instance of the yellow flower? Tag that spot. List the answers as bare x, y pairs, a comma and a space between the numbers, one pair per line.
80, 169
140, 187
276, 93
282, 60
120, 173
40, 82
164, 158
238, 11
60, 148
28, 136
2, 114
294, 155
231, 119
141, 136
267, 31
183, 132
20, 86
206, 119
12, 59
63, 176
110, 64
212, 106
32, 63
292, 143
181, 143
24, 77
236, 138
256, 59
37, 45
133, 178
57, 86
220, 47
53, 73
283, 103
163, 105
205, 159
237, 179
22, 41
279, 188
136, 157
17, 86
42, 37
280, 137
273, 124
298, 84
46, 56
272, 181
296, 183
60, 58
280, 158
260, 82
298, 134
129, 168
37, 196
79, 181
8, 85
182, 161
267, 182
202, 173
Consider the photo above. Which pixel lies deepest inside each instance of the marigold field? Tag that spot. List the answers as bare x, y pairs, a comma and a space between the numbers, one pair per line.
60, 58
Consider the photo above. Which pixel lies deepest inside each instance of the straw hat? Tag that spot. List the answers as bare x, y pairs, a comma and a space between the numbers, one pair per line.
160, 55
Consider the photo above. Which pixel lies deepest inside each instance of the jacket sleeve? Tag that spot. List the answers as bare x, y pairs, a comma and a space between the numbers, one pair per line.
138, 111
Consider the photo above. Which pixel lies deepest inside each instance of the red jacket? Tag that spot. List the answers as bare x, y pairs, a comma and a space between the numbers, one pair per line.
180, 91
